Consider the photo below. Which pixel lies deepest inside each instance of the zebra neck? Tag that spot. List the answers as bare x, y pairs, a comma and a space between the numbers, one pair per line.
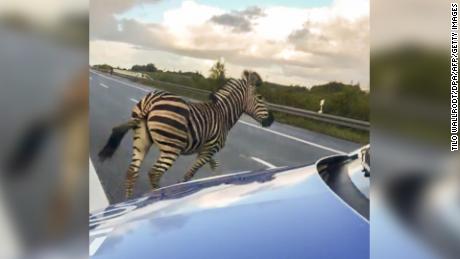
230, 109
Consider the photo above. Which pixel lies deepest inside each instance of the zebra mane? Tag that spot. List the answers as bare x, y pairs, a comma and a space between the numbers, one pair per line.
213, 97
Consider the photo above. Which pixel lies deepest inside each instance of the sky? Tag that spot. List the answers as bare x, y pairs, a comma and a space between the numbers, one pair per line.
293, 42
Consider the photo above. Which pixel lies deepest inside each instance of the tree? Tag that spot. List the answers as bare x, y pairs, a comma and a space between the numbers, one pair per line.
103, 67
217, 71
150, 68
144, 68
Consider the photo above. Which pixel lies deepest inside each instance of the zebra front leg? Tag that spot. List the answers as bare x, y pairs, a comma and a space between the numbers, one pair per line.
141, 145
163, 163
203, 158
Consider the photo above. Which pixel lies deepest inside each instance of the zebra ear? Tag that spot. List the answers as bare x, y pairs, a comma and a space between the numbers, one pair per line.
246, 74
212, 97
253, 78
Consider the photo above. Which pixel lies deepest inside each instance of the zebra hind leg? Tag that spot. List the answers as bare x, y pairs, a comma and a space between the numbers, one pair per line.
141, 145
203, 158
163, 163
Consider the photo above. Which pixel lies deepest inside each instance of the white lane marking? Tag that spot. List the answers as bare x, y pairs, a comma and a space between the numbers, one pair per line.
133, 100
294, 138
94, 246
99, 232
265, 163
98, 198
103, 85
121, 82
250, 124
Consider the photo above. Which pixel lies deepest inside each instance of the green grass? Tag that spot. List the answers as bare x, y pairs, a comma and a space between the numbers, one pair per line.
357, 136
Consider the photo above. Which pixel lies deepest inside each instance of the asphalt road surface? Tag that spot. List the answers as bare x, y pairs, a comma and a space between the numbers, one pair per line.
248, 146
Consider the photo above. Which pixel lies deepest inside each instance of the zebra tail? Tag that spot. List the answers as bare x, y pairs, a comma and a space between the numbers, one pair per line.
28, 146
115, 139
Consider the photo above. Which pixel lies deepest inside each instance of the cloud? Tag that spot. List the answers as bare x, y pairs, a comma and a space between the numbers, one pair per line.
290, 45
342, 41
102, 15
239, 21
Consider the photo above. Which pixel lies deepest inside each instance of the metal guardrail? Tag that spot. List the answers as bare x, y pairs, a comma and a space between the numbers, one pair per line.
333, 119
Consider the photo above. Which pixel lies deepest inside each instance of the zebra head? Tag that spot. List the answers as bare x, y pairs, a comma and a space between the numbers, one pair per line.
254, 105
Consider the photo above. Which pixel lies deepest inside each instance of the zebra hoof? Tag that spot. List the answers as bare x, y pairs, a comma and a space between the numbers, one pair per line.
128, 192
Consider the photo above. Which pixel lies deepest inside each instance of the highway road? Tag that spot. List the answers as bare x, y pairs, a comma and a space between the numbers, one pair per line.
248, 146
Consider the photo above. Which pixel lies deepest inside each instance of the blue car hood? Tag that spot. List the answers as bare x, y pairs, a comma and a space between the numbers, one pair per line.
287, 213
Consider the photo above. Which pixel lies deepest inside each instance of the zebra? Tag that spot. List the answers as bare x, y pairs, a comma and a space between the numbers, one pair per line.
178, 127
